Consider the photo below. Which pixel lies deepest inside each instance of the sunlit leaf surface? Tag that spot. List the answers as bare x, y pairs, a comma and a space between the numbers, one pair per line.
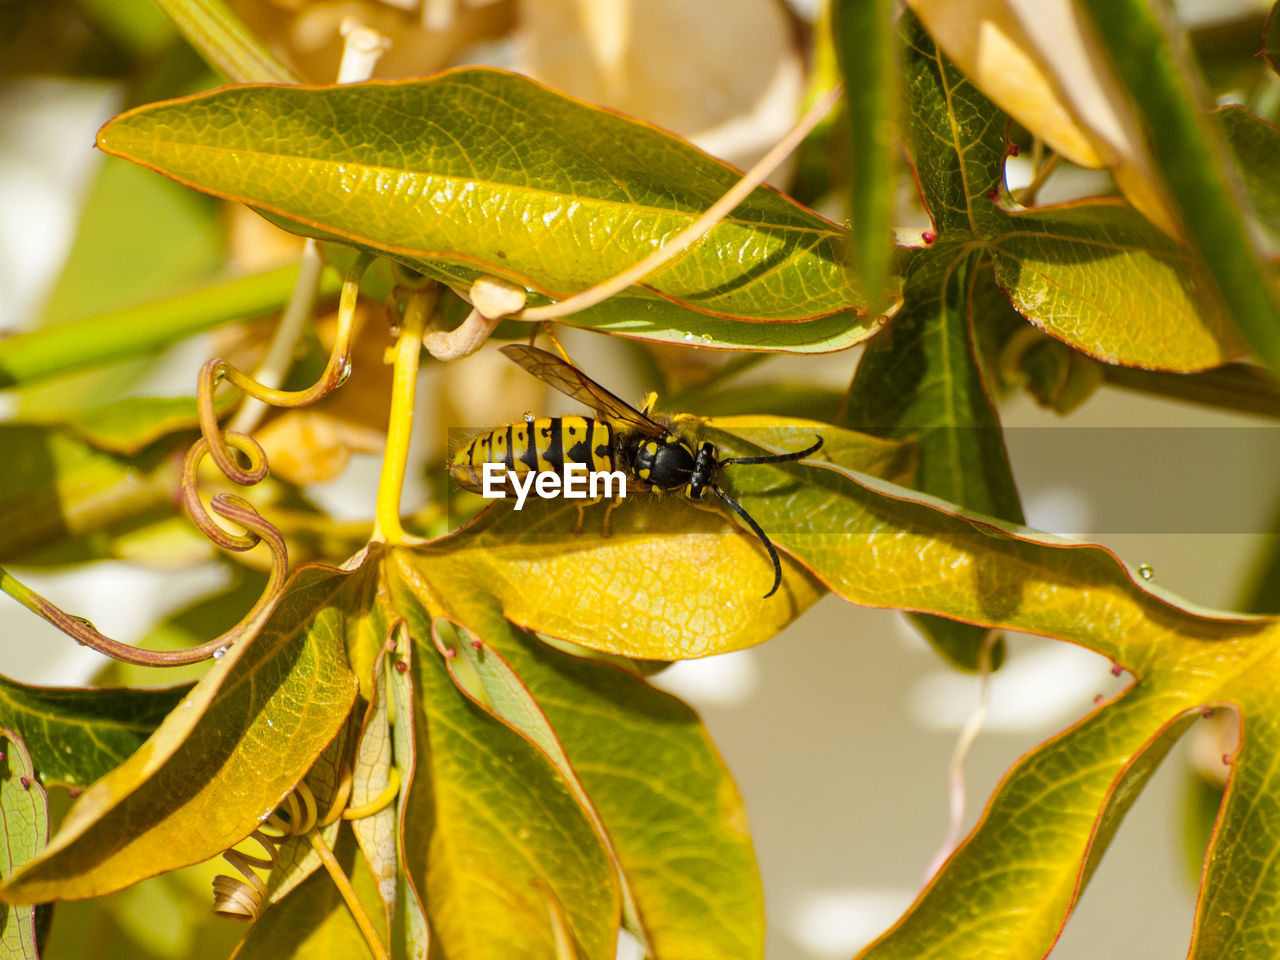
1093, 273
223, 758
564, 198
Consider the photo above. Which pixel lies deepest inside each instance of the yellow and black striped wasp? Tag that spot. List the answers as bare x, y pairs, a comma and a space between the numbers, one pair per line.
623, 439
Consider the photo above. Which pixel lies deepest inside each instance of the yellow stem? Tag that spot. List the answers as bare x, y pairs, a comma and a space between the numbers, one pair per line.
343, 883
335, 370
395, 461
378, 803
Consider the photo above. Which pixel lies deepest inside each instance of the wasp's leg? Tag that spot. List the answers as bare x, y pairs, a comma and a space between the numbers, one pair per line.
582, 513
547, 328
650, 399
611, 506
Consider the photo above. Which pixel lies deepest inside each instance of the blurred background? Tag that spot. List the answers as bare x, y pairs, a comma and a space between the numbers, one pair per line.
840, 730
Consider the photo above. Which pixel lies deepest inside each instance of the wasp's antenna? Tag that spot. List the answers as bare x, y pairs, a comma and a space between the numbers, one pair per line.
736, 507
777, 458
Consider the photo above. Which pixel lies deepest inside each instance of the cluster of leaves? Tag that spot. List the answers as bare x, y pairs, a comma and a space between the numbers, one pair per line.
548, 794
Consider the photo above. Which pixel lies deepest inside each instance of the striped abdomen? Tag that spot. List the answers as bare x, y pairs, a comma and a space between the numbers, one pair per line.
544, 443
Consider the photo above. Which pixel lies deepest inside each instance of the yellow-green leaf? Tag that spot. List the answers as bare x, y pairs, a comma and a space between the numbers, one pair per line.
477, 171
488, 818
24, 828
1095, 274
668, 582
671, 810
922, 379
217, 765
1099, 276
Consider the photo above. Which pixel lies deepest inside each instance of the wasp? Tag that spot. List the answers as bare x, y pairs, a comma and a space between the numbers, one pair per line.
621, 438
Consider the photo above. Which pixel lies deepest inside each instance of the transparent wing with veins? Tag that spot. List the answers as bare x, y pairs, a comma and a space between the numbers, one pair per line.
572, 382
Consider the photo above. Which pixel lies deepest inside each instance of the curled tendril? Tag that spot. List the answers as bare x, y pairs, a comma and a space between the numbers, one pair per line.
238, 899
256, 470
223, 447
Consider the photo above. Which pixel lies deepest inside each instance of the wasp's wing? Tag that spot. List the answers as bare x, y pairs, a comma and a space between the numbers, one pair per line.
571, 381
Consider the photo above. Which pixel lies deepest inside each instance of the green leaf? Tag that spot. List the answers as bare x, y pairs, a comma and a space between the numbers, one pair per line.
956, 137
76, 736
568, 195
131, 424
922, 379
1018, 874
671, 811
122, 334
1255, 145
55, 487
864, 41
223, 758
489, 819
24, 826
225, 42
1151, 58
652, 318
182, 244
879, 545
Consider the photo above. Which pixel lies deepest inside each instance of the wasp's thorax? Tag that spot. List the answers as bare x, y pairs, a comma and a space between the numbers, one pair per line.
670, 463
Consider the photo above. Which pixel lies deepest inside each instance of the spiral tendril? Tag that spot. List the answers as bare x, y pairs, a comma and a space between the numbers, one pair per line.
242, 899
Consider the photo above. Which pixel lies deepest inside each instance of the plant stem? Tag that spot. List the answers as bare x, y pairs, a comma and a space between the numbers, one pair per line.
343, 883
405, 353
